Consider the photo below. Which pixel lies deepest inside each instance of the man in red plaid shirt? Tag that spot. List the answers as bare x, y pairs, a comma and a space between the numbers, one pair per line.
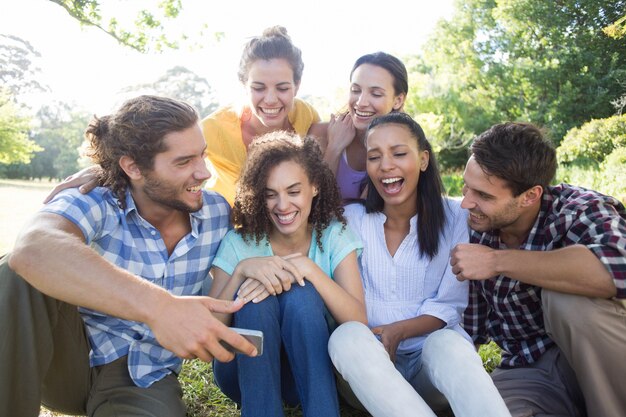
547, 271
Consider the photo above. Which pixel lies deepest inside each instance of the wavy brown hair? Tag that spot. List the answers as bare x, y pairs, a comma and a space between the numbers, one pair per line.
250, 216
136, 130
517, 153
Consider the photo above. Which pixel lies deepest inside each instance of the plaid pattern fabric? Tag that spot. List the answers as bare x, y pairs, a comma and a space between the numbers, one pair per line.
508, 311
125, 239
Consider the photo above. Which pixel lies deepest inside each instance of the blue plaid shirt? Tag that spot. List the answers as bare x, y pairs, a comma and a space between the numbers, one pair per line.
509, 311
125, 239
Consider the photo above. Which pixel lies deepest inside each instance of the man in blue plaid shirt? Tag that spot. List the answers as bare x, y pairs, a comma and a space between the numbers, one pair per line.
547, 271
134, 255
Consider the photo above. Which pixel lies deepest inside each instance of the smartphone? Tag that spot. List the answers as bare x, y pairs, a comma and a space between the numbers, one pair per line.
254, 336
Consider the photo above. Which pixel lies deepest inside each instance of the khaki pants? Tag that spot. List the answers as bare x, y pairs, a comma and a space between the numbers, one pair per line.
44, 359
591, 333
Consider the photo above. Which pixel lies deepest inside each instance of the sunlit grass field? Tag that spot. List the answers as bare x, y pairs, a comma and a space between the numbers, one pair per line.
20, 200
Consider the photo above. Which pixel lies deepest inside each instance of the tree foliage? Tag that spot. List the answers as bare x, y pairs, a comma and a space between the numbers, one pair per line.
152, 30
616, 30
594, 156
594, 140
548, 63
17, 76
182, 84
15, 145
18, 72
59, 135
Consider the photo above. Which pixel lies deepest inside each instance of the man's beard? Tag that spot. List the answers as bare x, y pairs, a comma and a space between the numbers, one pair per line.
165, 194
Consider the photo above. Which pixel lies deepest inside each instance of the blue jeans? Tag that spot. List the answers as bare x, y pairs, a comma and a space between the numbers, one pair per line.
294, 367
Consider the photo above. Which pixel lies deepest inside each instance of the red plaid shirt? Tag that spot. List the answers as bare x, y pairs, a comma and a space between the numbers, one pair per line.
508, 311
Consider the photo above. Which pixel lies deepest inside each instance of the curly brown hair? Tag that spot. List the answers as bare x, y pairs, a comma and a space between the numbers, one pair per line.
136, 130
250, 216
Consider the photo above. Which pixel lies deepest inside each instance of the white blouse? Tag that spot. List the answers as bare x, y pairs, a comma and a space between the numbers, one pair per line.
408, 285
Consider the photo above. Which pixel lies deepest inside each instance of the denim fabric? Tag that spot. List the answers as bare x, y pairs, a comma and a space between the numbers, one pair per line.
295, 366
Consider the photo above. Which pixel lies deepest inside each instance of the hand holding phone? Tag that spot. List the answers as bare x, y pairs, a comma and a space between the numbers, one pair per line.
253, 336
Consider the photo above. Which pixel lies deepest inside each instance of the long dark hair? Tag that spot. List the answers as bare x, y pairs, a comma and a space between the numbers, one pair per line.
430, 211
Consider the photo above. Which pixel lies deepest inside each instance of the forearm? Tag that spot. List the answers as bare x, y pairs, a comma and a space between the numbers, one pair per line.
331, 156
60, 265
573, 269
419, 326
225, 287
341, 304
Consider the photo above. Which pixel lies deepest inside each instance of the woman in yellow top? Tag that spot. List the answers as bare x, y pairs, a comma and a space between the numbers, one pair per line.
270, 70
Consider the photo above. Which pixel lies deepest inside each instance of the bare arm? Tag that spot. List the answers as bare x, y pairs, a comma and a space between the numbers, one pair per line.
319, 131
339, 134
224, 287
392, 334
86, 180
52, 256
273, 274
343, 296
572, 269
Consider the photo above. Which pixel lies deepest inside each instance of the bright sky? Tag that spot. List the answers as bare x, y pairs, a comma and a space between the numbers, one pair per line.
87, 67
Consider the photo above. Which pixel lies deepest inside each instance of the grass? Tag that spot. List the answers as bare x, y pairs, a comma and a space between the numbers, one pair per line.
19, 200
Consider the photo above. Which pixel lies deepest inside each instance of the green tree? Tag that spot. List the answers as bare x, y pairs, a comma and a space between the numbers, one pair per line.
549, 63
147, 32
594, 156
594, 140
183, 84
59, 133
617, 30
15, 145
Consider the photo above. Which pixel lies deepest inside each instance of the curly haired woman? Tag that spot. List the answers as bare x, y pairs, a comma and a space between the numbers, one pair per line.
287, 232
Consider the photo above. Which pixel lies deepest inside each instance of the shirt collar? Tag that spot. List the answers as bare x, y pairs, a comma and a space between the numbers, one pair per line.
381, 218
196, 217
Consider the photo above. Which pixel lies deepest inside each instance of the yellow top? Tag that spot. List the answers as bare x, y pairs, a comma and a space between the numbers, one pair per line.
226, 151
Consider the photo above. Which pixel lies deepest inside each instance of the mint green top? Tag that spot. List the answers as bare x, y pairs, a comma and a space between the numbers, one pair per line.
336, 240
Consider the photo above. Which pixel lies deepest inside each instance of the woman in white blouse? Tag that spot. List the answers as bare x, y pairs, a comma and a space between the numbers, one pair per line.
414, 357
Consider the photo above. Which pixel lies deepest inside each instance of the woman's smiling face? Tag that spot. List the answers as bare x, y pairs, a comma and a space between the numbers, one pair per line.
371, 95
271, 91
394, 163
289, 196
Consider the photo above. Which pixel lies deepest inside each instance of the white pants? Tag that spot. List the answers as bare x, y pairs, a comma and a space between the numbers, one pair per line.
449, 364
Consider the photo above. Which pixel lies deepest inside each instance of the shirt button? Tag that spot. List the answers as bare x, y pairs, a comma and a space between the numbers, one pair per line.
153, 232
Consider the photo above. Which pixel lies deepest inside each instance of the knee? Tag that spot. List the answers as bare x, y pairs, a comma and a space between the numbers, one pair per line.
352, 333
354, 345
446, 347
13, 288
347, 340
265, 311
302, 301
559, 308
9, 279
594, 316
557, 303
